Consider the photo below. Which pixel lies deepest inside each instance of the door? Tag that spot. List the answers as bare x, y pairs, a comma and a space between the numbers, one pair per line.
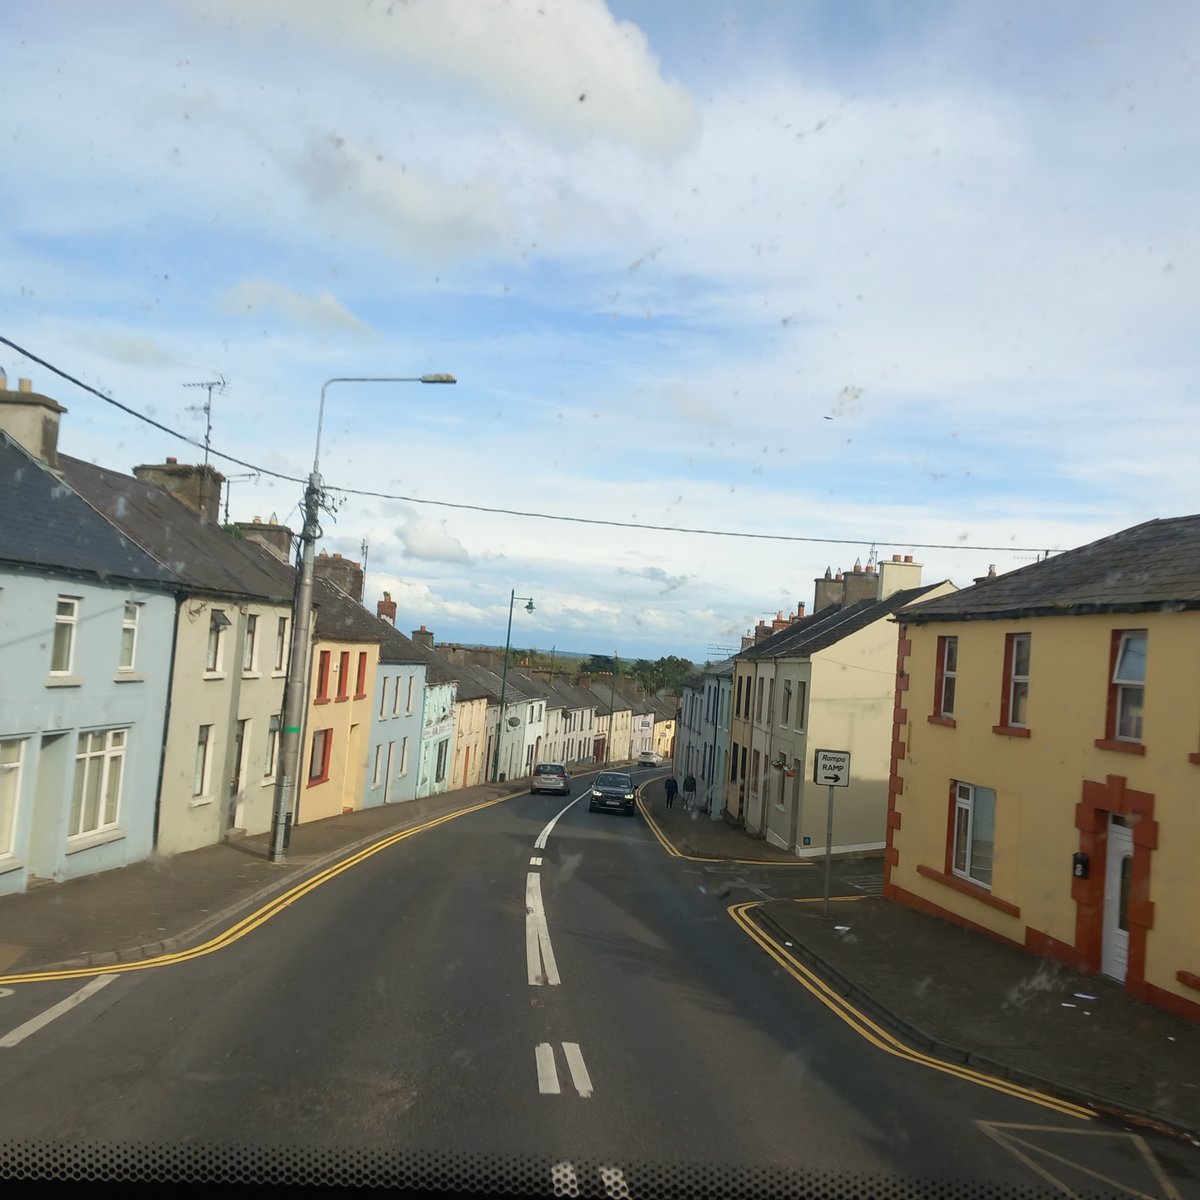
1117, 869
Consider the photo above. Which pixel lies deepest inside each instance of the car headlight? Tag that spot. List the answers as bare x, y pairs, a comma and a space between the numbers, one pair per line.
596, 793
628, 795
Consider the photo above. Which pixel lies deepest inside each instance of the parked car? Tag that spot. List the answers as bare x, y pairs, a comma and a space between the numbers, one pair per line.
550, 777
648, 758
613, 791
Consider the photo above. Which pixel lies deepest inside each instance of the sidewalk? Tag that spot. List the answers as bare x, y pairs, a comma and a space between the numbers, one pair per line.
949, 991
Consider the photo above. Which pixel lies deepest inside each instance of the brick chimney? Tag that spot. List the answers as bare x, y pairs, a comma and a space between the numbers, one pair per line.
423, 637
31, 419
196, 486
990, 575
344, 572
584, 681
275, 537
897, 574
799, 612
747, 640
829, 590
762, 631
386, 608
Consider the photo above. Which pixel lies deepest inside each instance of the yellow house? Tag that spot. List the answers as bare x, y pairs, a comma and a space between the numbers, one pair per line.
343, 661
1046, 757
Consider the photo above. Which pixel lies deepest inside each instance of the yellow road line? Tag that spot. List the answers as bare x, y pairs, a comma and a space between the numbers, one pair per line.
876, 1034
259, 916
675, 852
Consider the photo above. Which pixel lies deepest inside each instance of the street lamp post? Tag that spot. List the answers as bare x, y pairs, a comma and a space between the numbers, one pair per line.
513, 598
612, 712
295, 684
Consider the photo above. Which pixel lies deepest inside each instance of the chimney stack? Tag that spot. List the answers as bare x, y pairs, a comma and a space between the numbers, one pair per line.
196, 486
275, 537
423, 637
896, 575
829, 591
386, 608
861, 584
344, 572
31, 420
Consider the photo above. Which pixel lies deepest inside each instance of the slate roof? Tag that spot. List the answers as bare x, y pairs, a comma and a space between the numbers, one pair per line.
830, 625
1148, 567
202, 556
47, 525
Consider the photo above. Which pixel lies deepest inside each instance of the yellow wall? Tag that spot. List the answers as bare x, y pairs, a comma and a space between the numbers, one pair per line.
1038, 780
470, 742
347, 764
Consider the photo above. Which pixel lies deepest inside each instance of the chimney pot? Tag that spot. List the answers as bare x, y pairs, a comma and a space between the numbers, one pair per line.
870, 568
171, 460
895, 558
25, 385
908, 558
258, 520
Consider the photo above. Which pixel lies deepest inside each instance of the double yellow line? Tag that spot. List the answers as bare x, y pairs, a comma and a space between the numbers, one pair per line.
675, 852
876, 1034
259, 916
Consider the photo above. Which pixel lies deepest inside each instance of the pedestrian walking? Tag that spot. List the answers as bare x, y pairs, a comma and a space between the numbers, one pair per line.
689, 792
672, 787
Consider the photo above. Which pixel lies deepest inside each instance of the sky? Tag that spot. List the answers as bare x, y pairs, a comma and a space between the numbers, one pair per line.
831, 280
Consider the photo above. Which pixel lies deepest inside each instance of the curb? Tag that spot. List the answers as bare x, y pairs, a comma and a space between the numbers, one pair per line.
181, 941
936, 1047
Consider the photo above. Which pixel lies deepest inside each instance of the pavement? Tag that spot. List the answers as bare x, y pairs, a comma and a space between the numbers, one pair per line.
945, 990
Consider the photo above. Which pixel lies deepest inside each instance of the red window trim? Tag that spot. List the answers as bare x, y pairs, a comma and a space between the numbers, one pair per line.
343, 672
1011, 730
1123, 747
360, 683
948, 721
322, 696
1194, 758
326, 756
1110, 741
968, 889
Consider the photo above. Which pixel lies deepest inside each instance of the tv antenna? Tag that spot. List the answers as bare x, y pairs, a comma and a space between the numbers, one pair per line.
213, 385
229, 479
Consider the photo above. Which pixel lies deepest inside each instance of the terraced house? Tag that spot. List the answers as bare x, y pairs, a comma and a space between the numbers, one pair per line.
1046, 760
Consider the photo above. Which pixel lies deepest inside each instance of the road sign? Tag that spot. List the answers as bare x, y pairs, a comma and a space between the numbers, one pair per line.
832, 767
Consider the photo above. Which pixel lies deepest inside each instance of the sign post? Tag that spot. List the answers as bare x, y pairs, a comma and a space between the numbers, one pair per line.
830, 767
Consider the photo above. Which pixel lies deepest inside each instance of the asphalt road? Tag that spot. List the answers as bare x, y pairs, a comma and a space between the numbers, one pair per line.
586, 1004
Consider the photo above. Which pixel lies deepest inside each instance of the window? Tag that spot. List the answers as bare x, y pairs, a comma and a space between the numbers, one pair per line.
408, 703
343, 680
66, 616
1128, 686
396, 698
318, 762
758, 701
11, 753
787, 701
281, 643
322, 696
217, 625
737, 704
99, 762
129, 629
250, 649
360, 682
974, 833
801, 696
203, 761
404, 756
241, 739
440, 772
754, 770
383, 687
946, 677
378, 772
1015, 700
771, 703
272, 746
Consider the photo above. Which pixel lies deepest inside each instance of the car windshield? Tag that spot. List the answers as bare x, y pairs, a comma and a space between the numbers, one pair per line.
819, 381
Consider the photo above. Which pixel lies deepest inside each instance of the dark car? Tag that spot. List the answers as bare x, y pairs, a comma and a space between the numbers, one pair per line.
612, 790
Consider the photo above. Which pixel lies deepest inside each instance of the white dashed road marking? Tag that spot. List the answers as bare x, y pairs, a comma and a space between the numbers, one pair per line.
547, 1072
615, 1186
535, 862
547, 1069
540, 844
539, 954
579, 1073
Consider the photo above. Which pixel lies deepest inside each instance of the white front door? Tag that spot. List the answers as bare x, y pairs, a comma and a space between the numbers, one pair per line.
1117, 870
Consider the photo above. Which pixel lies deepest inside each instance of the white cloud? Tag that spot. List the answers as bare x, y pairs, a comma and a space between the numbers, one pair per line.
254, 297
426, 537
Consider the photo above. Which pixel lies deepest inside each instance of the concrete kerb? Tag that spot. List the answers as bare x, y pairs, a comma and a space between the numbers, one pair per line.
287, 879
936, 1047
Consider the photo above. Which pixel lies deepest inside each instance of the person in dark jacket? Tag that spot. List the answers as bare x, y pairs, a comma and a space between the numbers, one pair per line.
689, 792
671, 787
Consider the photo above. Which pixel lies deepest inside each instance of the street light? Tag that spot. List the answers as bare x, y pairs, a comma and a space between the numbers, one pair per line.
504, 681
612, 712
295, 684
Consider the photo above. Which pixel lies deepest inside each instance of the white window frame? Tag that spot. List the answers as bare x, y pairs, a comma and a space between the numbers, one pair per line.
396, 698
403, 757
967, 797
130, 620
325, 738
108, 757
787, 703
214, 651
11, 763
949, 674
439, 772
68, 621
281, 632
250, 646
202, 770
1016, 679
1126, 687
412, 679
274, 725
377, 773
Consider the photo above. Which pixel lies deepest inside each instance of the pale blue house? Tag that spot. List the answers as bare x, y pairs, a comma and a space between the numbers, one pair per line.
87, 623
394, 756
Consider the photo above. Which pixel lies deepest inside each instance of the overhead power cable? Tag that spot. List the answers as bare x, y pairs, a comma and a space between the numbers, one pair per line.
516, 512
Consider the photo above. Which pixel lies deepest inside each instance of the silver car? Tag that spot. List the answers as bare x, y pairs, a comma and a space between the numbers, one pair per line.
550, 777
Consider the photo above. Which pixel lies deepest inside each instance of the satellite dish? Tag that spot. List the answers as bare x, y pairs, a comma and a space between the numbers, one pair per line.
513, 722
